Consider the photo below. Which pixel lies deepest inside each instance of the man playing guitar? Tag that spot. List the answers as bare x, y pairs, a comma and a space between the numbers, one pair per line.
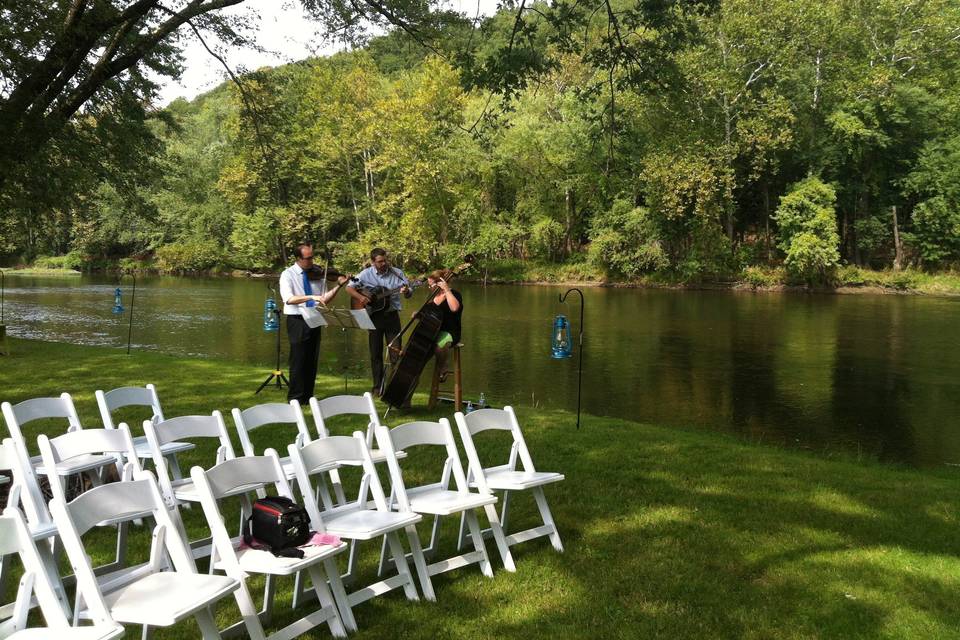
380, 276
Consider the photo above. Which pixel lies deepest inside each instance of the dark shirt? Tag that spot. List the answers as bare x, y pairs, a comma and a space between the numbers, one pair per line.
450, 320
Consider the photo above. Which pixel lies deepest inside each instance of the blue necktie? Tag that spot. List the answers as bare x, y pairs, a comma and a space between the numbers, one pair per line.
308, 290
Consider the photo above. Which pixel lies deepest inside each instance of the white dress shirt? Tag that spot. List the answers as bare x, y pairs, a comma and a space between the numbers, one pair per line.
291, 284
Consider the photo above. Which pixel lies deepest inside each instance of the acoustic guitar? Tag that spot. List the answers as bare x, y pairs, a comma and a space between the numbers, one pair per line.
378, 297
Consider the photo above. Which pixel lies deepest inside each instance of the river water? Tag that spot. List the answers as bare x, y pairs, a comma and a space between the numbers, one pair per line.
874, 375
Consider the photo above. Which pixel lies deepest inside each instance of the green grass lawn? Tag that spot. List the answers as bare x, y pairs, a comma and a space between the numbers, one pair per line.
668, 533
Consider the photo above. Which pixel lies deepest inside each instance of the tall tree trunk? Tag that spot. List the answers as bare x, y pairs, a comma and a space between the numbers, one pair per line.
897, 244
766, 219
570, 199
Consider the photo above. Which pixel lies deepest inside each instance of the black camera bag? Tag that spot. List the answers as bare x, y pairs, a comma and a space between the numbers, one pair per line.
279, 524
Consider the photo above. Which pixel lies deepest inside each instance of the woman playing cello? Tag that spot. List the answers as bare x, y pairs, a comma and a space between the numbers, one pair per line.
449, 304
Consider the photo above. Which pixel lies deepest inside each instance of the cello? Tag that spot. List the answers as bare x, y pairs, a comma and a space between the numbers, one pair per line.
420, 347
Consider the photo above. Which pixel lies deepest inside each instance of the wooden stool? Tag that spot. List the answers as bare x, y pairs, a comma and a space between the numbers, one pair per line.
457, 381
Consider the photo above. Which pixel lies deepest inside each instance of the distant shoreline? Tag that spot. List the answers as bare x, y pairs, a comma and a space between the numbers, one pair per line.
862, 282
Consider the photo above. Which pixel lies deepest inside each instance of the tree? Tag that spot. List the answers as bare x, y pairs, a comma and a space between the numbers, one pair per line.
808, 230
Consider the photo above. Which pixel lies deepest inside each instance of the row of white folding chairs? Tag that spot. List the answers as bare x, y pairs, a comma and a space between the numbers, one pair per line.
493, 420
145, 595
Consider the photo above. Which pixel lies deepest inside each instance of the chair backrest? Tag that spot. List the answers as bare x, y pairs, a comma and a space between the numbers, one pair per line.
324, 454
116, 442
333, 406
245, 474
418, 434
110, 401
185, 428
271, 413
484, 420
24, 488
17, 415
16, 539
115, 503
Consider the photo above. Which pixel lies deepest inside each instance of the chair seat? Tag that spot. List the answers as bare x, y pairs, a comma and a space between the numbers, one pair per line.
379, 456
81, 633
163, 599
519, 480
144, 451
443, 502
77, 464
258, 561
363, 524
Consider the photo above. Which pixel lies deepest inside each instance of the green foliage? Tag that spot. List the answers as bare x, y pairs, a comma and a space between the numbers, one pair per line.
546, 239
189, 256
73, 260
808, 231
935, 232
254, 239
624, 241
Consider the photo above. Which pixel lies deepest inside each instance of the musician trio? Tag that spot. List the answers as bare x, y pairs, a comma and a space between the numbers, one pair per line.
378, 289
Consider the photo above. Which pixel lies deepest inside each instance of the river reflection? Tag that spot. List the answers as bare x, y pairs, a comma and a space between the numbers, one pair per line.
878, 375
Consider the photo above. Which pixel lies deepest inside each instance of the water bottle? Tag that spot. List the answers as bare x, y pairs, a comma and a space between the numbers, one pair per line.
469, 408
482, 402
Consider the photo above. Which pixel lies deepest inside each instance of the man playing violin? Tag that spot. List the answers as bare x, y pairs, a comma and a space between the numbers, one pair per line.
299, 291
381, 274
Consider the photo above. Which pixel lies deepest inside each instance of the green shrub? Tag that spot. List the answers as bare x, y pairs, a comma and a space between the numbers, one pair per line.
546, 239
193, 255
73, 260
759, 277
851, 276
808, 231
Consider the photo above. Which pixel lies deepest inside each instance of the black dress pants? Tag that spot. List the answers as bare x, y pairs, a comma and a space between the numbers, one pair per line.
387, 325
304, 356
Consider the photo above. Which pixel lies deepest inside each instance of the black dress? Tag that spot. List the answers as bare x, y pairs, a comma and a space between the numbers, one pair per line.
450, 320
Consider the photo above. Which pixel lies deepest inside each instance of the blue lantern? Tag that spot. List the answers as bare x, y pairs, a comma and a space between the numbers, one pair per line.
117, 301
271, 321
562, 347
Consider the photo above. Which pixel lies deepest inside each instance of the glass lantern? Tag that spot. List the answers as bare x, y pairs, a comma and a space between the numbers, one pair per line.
562, 347
271, 320
117, 301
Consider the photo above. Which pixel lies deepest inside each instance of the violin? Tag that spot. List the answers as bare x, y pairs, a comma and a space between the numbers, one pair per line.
317, 273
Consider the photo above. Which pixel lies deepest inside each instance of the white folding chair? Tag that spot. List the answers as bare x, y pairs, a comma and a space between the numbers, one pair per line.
182, 491
437, 499
238, 562
155, 594
16, 416
356, 521
345, 405
272, 413
58, 453
122, 397
35, 584
507, 477
25, 493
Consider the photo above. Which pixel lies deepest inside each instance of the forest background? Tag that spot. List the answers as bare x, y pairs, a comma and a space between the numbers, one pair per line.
761, 140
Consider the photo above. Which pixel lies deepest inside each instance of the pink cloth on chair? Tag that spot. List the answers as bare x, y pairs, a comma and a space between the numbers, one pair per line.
318, 539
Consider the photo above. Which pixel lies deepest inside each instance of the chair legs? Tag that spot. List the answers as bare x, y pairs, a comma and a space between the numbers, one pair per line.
504, 542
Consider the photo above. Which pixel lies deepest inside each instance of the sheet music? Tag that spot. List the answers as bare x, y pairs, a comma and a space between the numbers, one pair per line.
348, 319
313, 316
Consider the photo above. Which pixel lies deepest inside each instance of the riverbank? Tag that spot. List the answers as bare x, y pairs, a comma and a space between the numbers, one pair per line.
672, 534
849, 279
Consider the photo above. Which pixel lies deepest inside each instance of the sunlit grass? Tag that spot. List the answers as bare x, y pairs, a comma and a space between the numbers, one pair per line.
668, 534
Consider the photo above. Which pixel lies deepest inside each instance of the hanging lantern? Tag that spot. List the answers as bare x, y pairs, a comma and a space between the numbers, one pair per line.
562, 347
117, 301
271, 320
